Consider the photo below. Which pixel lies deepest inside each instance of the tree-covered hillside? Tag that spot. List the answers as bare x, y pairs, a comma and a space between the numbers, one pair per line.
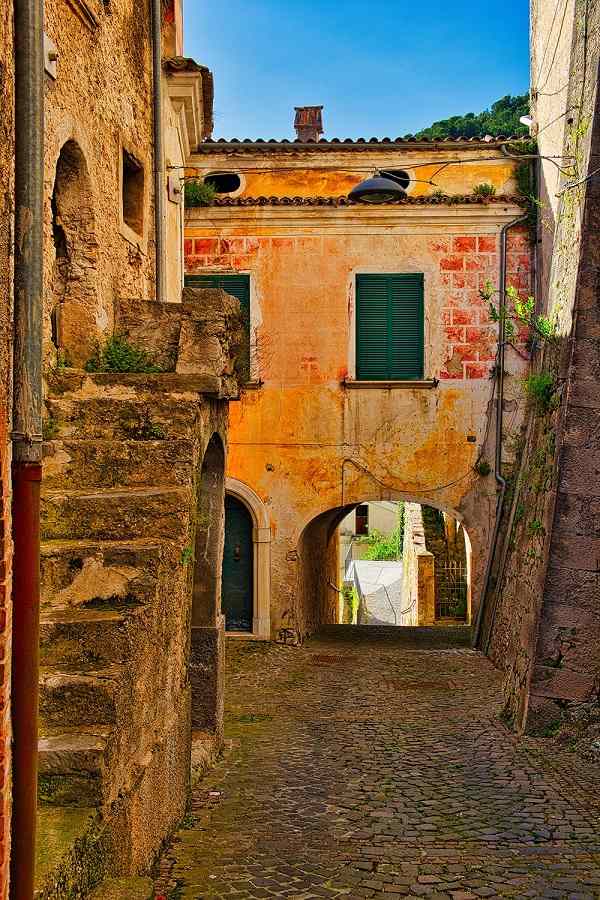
501, 119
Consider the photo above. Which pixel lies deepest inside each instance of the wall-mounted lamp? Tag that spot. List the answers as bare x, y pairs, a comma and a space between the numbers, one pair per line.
378, 189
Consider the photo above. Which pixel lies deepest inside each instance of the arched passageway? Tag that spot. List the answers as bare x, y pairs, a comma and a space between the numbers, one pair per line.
394, 563
74, 275
207, 650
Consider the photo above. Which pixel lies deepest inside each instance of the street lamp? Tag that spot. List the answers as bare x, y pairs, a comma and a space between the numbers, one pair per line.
381, 188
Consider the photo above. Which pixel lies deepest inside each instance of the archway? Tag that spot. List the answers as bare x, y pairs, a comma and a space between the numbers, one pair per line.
207, 627
417, 571
260, 572
74, 275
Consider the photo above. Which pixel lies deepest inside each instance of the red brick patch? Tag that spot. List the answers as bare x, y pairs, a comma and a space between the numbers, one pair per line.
464, 244
486, 244
452, 263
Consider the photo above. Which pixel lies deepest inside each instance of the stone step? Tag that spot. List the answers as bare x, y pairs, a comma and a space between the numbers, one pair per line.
59, 831
108, 463
87, 696
88, 636
71, 766
62, 382
132, 888
113, 418
158, 512
99, 574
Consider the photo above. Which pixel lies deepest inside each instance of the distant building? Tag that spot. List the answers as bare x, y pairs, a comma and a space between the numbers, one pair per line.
372, 349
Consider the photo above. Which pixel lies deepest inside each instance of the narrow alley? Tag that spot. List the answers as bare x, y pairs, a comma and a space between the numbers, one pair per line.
380, 768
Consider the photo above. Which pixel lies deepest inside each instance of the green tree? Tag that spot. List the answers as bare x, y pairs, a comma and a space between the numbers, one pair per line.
501, 119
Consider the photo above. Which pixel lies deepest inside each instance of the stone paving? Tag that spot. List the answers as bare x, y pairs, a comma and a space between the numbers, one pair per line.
381, 770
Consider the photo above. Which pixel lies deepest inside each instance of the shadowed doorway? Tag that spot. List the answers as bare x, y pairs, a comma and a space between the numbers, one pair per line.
238, 567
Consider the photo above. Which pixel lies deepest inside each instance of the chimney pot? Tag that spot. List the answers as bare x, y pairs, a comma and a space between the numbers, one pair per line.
308, 123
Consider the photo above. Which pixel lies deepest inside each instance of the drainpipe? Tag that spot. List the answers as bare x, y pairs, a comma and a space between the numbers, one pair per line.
26, 435
500, 481
157, 114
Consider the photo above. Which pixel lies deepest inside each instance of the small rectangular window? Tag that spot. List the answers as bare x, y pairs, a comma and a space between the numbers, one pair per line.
133, 193
390, 338
238, 286
362, 519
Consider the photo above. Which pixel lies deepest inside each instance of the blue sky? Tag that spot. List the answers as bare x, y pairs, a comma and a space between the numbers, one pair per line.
380, 70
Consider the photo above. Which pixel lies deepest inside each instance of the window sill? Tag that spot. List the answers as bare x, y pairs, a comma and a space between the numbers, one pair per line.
251, 385
417, 384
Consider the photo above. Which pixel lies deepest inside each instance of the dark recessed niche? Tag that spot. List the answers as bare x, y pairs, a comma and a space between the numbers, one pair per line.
224, 182
399, 175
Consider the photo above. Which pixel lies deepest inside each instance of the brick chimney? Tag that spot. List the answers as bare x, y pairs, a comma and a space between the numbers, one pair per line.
308, 123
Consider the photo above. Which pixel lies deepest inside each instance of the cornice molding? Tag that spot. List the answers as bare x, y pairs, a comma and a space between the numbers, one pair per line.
336, 220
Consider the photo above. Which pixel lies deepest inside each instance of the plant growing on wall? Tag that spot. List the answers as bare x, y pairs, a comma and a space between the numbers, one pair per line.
118, 355
485, 189
198, 193
518, 311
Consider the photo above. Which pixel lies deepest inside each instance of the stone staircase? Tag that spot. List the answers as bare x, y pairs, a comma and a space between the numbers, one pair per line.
121, 463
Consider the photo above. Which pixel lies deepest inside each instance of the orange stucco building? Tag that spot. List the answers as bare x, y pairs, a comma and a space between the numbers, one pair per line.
323, 424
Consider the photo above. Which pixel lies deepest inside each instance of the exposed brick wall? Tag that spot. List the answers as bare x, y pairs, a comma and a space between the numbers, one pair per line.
465, 264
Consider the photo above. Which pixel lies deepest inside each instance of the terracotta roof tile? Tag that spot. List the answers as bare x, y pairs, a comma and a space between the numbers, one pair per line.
428, 199
237, 144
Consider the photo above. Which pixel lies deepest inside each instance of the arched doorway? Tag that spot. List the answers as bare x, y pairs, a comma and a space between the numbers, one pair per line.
237, 597
250, 574
73, 288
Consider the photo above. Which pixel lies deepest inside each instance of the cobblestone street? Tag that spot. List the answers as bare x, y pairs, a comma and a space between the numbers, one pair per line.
381, 770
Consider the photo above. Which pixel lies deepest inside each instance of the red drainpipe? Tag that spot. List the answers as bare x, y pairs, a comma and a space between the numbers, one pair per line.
26, 435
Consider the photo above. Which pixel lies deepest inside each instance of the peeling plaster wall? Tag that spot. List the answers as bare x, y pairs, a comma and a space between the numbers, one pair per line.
6, 308
305, 442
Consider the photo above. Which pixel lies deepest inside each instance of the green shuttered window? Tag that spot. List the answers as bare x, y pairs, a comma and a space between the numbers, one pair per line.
389, 327
236, 285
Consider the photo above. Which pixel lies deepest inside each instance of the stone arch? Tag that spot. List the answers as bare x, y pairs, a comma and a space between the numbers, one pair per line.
207, 626
261, 538
74, 288
318, 562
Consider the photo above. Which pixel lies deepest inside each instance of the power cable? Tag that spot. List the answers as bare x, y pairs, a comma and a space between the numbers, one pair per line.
562, 23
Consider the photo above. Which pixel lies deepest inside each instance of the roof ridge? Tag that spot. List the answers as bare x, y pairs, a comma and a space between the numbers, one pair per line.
277, 143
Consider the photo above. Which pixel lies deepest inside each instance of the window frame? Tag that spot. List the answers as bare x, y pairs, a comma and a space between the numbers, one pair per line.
354, 380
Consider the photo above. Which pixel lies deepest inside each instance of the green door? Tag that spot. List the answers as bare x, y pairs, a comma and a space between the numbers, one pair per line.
237, 600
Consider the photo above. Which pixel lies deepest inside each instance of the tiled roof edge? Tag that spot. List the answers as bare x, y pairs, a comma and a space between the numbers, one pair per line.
272, 144
426, 200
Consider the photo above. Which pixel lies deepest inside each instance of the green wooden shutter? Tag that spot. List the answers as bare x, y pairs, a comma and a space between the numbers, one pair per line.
389, 327
238, 286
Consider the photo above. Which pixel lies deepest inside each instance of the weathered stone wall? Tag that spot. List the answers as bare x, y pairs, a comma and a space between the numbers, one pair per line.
99, 105
6, 305
119, 570
99, 123
418, 570
542, 620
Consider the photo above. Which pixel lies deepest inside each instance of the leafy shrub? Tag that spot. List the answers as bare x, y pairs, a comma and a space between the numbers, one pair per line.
118, 355
198, 193
485, 189
540, 388
382, 546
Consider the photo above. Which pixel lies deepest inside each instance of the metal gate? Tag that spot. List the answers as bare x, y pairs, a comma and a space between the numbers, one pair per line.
451, 590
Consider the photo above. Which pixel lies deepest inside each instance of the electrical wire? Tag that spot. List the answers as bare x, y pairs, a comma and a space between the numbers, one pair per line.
574, 184
562, 23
